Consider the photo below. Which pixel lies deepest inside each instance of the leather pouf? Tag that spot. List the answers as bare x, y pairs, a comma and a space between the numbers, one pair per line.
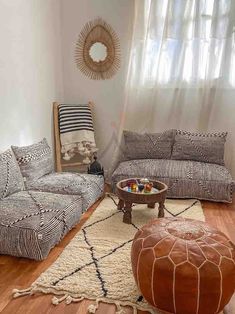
184, 266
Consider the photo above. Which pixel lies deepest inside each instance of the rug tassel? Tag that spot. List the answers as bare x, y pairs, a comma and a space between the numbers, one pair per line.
70, 299
119, 309
56, 300
20, 293
93, 307
134, 310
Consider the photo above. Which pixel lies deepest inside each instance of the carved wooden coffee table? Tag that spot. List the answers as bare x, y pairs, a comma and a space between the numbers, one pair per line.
126, 198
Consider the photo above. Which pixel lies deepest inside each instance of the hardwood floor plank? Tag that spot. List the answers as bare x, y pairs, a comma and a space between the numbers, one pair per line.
21, 272
5, 293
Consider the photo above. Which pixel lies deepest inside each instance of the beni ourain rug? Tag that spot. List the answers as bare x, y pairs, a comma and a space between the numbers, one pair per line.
96, 264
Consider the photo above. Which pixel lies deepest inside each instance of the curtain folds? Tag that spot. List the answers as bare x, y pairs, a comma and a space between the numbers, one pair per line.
182, 43
182, 69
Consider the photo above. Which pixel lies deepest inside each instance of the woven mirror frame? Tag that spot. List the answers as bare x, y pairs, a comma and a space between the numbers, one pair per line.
98, 32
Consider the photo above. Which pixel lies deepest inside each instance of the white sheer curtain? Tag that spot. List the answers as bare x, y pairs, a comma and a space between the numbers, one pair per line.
181, 43
182, 68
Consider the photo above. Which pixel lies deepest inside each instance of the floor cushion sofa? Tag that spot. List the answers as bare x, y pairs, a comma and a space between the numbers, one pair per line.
37, 205
191, 164
34, 222
89, 187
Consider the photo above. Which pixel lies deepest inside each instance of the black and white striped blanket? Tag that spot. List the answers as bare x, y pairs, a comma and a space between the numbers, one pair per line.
76, 127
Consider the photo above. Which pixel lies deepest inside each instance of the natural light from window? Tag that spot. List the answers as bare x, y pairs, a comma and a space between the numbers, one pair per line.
185, 42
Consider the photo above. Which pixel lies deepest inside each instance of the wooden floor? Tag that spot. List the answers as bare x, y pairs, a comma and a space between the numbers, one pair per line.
20, 273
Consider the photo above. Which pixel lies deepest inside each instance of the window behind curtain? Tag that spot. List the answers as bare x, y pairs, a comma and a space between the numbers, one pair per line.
183, 42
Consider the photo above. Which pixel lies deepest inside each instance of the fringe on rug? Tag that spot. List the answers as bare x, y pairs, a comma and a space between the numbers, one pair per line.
20, 293
92, 308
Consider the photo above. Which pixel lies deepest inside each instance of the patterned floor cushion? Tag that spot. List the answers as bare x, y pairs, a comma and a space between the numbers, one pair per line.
185, 179
32, 223
34, 160
11, 180
90, 187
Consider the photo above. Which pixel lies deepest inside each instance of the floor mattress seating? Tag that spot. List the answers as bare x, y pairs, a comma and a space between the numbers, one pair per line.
194, 169
32, 223
89, 187
38, 206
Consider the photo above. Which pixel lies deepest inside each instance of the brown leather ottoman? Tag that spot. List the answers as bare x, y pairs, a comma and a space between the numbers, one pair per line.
184, 266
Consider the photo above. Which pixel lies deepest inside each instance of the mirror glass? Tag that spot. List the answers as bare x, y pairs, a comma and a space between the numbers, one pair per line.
98, 52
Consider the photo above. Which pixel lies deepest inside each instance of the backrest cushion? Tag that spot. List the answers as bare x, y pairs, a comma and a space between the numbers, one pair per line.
34, 160
148, 145
205, 147
11, 180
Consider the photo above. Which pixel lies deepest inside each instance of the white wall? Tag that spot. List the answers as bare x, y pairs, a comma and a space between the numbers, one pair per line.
30, 69
108, 95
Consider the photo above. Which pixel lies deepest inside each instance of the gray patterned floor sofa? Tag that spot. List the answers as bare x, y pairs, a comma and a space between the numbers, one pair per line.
191, 164
38, 206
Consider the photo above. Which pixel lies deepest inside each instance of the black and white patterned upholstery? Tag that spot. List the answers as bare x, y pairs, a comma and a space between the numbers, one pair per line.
34, 160
185, 179
11, 180
205, 147
148, 145
33, 222
89, 187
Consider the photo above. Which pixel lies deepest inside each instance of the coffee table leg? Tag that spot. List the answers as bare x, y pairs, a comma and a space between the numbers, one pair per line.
161, 210
120, 204
127, 213
151, 205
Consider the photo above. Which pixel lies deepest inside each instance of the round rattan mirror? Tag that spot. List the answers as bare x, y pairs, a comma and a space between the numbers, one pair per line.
98, 50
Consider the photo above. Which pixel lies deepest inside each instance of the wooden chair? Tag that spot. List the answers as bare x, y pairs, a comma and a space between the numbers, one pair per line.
61, 165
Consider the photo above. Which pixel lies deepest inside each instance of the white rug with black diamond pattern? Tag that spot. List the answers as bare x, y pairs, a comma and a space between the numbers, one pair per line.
96, 263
